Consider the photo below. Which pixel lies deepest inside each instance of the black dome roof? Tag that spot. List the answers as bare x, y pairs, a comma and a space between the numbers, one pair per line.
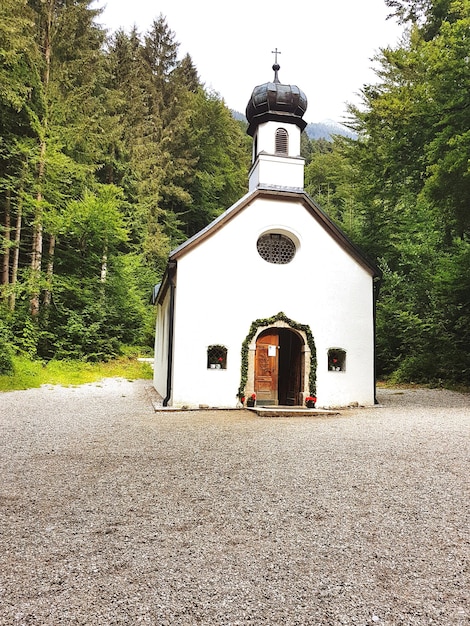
276, 102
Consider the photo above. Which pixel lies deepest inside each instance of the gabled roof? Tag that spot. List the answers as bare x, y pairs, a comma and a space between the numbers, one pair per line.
279, 193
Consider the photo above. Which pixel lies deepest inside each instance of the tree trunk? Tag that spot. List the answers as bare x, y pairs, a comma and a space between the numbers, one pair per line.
16, 252
50, 271
36, 252
6, 240
36, 256
104, 264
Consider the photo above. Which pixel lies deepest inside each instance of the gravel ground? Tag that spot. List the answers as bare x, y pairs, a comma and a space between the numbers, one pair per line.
111, 513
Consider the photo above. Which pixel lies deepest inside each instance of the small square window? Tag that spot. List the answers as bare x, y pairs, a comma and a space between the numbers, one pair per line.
336, 360
217, 357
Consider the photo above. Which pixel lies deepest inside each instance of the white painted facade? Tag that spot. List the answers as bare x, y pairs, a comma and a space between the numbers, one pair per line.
221, 285
268, 166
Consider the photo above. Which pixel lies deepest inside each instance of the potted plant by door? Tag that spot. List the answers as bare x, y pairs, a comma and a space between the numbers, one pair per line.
310, 402
251, 400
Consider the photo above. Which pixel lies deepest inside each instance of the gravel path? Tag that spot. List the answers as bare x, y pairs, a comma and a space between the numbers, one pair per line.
111, 513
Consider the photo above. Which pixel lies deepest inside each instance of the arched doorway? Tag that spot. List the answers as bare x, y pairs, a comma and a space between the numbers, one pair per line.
279, 367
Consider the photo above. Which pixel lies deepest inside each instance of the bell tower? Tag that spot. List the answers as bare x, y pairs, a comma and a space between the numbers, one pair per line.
274, 113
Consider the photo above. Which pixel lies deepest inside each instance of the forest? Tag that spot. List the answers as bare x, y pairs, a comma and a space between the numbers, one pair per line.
112, 152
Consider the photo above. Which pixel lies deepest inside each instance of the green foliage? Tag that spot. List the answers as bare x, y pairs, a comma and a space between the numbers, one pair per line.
95, 226
109, 156
29, 374
219, 147
19, 330
92, 320
6, 352
330, 179
402, 192
413, 192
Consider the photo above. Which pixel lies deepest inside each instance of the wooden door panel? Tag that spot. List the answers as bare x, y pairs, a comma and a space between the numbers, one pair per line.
266, 368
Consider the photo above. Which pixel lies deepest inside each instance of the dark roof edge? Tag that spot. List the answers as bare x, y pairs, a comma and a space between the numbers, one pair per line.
169, 277
274, 116
214, 225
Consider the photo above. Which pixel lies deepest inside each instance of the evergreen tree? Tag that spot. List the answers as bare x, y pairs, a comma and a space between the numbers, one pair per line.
18, 86
68, 44
413, 191
221, 151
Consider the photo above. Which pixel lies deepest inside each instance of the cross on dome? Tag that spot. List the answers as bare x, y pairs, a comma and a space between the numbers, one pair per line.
276, 52
275, 102
276, 66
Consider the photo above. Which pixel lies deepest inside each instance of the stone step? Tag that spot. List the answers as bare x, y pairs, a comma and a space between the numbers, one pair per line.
290, 411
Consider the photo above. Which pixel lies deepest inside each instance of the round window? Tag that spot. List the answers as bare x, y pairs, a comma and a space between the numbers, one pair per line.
276, 248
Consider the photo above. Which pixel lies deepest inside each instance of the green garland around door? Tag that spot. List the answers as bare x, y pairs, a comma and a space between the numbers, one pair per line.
279, 317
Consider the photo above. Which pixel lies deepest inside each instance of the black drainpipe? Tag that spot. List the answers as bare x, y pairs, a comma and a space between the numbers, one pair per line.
169, 375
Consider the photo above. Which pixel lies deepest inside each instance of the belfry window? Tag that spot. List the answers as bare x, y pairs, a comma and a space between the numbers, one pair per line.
282, 141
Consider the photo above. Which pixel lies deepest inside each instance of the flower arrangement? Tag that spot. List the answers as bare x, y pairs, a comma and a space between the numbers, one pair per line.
251, 400
217, 363
217, 357
310, 402
336, 359
336, 366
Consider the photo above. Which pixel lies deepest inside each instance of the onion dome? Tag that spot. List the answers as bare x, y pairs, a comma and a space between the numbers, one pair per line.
274, 102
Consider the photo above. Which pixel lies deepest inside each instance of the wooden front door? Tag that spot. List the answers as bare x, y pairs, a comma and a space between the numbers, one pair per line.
267, 367
279, 367
290, 368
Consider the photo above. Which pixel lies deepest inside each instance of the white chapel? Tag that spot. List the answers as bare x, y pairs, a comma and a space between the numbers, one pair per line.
271, 298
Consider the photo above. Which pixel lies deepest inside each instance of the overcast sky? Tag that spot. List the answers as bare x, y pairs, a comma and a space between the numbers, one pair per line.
326, 45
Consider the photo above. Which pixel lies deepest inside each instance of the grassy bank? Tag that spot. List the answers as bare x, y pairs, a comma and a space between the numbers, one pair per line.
29, 374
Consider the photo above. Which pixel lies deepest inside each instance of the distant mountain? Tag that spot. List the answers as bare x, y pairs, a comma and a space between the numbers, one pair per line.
240, 117
317, 130
326, 130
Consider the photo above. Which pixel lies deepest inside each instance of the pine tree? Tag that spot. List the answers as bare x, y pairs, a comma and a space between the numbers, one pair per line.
69, 43
413, 191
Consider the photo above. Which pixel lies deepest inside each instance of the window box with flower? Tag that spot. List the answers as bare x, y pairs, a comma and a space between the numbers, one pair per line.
310, 402
217, 357
251, 400
336, 360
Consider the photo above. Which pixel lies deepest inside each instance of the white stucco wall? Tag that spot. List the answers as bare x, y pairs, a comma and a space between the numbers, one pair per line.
269, 168
289, 171
223, 285
266, 137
